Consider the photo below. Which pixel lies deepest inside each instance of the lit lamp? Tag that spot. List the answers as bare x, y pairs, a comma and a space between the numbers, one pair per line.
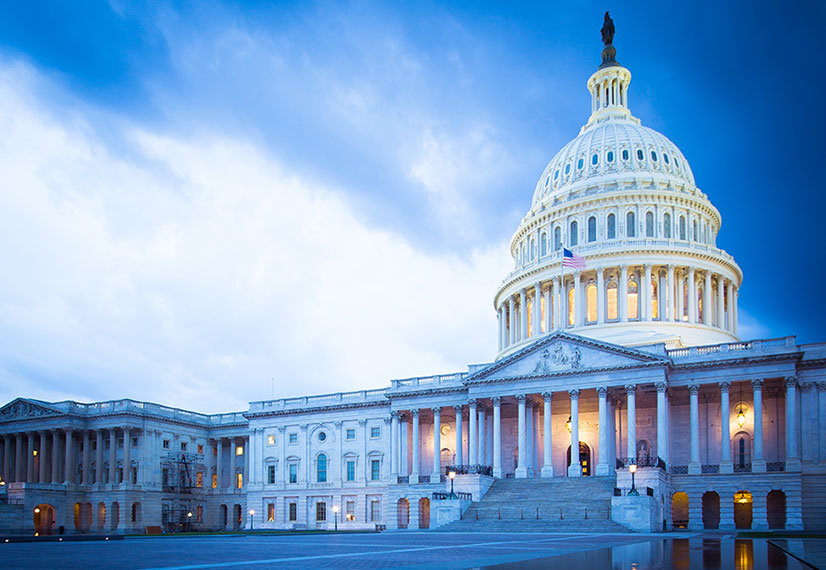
252, 519
568, 424
633, 469
452, 476
335, 517
188, 521
741, 415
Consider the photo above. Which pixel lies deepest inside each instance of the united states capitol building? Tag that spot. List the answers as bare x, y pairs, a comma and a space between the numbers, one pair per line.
628, 366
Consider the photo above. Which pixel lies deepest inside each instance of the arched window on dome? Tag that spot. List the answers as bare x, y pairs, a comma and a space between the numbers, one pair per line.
568, 168
633, 299
580, 163
592, 229
667, 225
611, 227
640, 154
611, 299
547, 180
321, 468
654, 155
543, 244
649, 224
595, 159
625, 154
694, 235
591, 297
533, 249
610, 156
557, 238
665, 158
655, 297
630, 225
573, 237
571, 306
556, 174
682, 228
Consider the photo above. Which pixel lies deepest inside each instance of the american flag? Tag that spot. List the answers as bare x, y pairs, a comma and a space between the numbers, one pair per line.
570, 259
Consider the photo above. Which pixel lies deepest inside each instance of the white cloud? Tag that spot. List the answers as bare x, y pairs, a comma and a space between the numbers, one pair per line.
191, 271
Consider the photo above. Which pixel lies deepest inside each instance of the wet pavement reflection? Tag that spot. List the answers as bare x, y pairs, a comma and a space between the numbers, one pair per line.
681, 554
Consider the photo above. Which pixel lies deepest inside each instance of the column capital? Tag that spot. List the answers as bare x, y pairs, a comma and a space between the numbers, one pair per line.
497, 400
806, 386
724, 386
602, 391
630, 389
661, 387
281, 429
362, 422
458, 408
394, 414
436, 409
337, 425
757, 383
694, 389
821, 386
520, 397
790, 381
387, 420
414, 412
574, 394
547, 396
471, 402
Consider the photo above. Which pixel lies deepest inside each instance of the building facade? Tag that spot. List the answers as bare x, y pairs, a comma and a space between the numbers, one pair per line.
629, 357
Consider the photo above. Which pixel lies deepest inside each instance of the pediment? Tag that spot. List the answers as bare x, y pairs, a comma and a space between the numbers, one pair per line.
22, 409
563, 353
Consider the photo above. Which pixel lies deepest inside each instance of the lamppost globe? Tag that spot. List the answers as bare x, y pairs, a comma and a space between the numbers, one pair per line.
252, 519
336, 509
633, 469
452, 476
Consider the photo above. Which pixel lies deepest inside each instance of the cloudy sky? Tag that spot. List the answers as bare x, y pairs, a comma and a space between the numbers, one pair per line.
205, 204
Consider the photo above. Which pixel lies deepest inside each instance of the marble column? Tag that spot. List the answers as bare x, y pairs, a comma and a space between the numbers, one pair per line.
758, 464
579, 305
602, 463
473, 432
575, 468
521, 471
113, 457
601, 295
707, 299
622, 301
547, 443
821, 405
501, 321
394, 446
459, 459
497, 436
6, 476
55, 456
30, 474
725, 433
671, 313
548, 309
726, 511
662, 422
523, 315
734, 313
127, 456
87, 458
692, 296
792, 453
558, 293
529, 440
42, 462
694, 466
537, 313
415, 468
512, 322
730, 308
404, 466
720, 322
631, 422
19, 471
680, 295
437, 445
646, 292
482, 453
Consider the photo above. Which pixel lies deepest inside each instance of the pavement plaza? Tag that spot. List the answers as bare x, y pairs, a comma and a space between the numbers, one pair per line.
414, 550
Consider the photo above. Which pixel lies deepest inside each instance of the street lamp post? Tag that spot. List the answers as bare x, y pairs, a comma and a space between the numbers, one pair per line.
452, 476
188, 521
335, 517
633, 469
252, 519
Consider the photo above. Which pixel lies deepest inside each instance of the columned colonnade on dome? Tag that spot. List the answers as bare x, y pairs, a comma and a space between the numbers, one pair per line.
646, 292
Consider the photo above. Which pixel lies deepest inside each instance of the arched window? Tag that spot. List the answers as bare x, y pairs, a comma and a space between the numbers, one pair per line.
571, 307
557, 238
591, 296
640, 155
625, 154
611, 227
649, 224
533, 249
611, 298
580, 163
543, 244
682, 227
592, 229
321, 468
633, 297
630, 229
742, 450
610, 156
667, 225
595, 159
573, 238
655, 311
694, 235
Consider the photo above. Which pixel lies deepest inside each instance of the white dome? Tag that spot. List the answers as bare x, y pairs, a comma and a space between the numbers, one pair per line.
617, 146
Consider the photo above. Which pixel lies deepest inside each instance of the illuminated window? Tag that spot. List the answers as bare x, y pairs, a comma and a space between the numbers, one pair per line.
592, 229
611, 298
239, 480
655, 297
201, 448
571, 307
611, 230
351, 470
321, 512
533, 249
350, 510
542, 314
649, 224
591, 294
270, 512
321, 469
292, 512
199, 479
270, 440
271, 474
239, 450
630, 225
375, 470
293, 473
633, 297
529, 310
573, 237
667, 225
214, 480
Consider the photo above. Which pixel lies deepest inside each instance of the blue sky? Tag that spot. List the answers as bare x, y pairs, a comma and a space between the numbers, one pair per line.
199, 198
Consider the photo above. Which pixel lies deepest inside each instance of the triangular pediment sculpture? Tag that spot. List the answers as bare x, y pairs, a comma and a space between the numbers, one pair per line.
563, 353
21, 409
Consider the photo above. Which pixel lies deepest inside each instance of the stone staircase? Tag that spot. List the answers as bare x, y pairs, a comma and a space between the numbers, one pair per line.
556, 504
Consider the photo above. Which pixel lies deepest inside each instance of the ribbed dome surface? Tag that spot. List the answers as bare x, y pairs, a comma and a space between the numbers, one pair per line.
611, 147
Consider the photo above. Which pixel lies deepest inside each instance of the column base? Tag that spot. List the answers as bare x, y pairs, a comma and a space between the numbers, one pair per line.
793, 464
695, 468
435, 477
497, 472
759, 526
725, 526
414, 478
547, 471
602, 469
757, 466
727, 467
575, 470
521, 473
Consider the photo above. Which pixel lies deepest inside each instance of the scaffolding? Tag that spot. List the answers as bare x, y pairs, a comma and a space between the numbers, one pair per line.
182, 504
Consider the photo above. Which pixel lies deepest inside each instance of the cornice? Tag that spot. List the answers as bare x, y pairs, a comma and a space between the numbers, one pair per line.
332, 407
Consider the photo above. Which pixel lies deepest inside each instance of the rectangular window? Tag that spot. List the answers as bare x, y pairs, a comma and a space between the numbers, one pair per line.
375, 432
270, 512
199, 514
292, 512
351, 434
165, 477
293, 473
293, 438
134, 442
271, 474
166, 444
375, 469
134, 475
270, 440
239, 450
183, 446
105, 446
350, 510
215, 451
201, 448
239, 480
351, 470
375, 510
120, 474
199, 479
321, 512
214, 480
120, 444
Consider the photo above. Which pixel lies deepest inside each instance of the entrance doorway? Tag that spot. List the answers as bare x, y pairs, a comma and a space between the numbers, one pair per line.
679, 510
44, 519
776, 509
711, 510
584, 458
742, 509
403, 513
424, 512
